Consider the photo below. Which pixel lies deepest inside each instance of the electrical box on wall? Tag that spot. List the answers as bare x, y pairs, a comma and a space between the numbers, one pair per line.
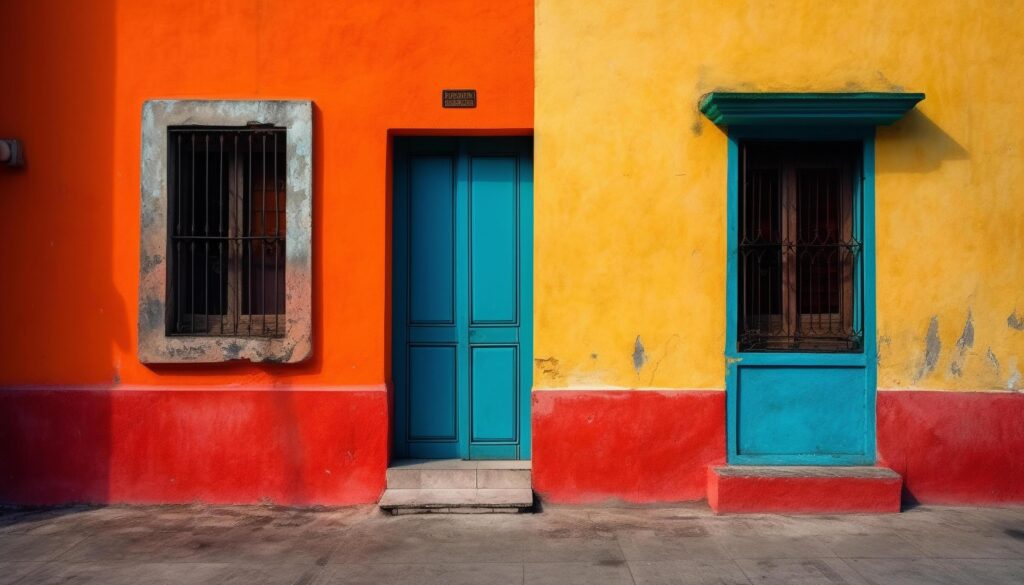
11, 152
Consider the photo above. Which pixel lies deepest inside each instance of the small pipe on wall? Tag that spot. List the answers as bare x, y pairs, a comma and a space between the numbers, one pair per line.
11, 152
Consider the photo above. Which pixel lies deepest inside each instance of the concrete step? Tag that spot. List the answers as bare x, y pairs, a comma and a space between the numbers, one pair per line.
457, 486
810, 489
459, 474
454, 501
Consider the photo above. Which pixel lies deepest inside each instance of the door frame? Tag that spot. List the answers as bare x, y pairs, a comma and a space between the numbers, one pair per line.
462, 146
866, 360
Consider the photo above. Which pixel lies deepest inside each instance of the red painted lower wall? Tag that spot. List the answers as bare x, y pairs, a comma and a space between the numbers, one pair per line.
309, 446
634, 446
639, 446
287, 446
954, 447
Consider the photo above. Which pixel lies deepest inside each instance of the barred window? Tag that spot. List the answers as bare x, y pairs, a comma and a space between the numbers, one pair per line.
799, 247
226, 211
226, 258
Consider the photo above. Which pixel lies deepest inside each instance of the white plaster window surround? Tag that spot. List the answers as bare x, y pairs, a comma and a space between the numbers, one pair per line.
296, 343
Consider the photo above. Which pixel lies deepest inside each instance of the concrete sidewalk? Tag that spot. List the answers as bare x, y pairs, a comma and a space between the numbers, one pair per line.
562, 545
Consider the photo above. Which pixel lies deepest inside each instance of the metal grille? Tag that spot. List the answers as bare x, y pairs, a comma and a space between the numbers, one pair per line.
799, 248
227, 258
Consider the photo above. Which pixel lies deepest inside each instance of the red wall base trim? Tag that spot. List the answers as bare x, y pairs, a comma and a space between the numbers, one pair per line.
802, 495
286, 446
316, 446
954, 447
634, 446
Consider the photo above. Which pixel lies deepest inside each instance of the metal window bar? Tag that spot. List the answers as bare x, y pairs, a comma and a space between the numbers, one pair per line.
226, 271
798, 248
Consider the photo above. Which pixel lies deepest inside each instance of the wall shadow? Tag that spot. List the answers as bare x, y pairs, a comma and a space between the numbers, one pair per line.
920, 145
56, 252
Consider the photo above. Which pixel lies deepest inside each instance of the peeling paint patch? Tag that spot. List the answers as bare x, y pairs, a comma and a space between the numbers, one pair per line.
548, 367
1014, 381
1015, 321
233, 350
966, 340
993, 360
284, 358
639, 355
884, 342
152, 313
932, 348
151, 262
964, 343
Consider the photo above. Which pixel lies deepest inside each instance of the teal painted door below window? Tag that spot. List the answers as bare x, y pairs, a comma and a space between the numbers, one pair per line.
462, 297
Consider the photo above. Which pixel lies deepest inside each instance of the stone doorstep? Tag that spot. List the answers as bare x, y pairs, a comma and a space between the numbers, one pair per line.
474, 510
453, 486
455, 500
455, 474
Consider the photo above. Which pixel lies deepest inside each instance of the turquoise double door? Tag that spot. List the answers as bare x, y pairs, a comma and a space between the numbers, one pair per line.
462, 297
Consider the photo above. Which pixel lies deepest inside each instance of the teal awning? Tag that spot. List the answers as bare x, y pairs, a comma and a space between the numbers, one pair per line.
758, 109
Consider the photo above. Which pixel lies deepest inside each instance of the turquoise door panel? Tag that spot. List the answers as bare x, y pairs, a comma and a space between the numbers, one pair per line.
803, 408
432, 240
462, 297
493, 240
432, 389
795, 411
493, 394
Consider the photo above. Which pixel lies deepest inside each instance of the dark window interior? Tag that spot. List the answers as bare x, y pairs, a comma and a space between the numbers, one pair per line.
799, 247
226, 212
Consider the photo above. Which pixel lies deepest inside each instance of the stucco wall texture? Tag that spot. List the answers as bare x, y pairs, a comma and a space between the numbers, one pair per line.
81, 419
630, 214
74, 95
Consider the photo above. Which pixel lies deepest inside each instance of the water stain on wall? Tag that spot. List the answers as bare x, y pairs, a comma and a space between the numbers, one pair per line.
964, 343
884, 344
639, 355
1014, 382
1015, 321
993, 361
932, 348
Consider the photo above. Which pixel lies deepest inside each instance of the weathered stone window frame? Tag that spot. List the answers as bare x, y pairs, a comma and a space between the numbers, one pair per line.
155, 346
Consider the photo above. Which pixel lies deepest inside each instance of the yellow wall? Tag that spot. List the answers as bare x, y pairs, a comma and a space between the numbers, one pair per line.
630, 179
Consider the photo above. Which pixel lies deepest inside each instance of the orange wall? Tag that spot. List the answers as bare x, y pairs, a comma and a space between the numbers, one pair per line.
74, 85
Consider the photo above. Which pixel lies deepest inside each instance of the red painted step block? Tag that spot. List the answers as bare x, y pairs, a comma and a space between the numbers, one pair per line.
803, 490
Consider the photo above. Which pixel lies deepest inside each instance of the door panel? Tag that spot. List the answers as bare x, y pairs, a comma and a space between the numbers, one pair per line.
432, 392
493, 241
494, 393
462, 297
431, 240
781, 411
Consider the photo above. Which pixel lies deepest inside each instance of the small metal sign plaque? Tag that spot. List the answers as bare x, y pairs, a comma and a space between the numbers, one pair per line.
458, 98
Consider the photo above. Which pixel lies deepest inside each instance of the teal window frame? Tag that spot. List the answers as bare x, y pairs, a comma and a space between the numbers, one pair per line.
808, 117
